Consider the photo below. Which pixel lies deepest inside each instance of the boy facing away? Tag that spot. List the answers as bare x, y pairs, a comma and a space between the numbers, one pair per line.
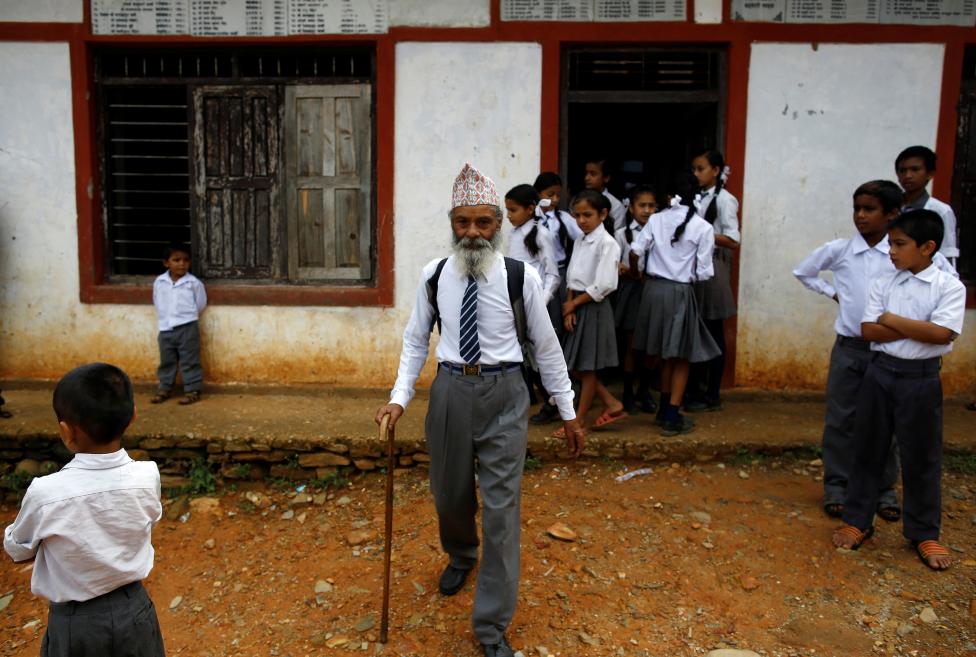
179, 297
88, 527
911, 318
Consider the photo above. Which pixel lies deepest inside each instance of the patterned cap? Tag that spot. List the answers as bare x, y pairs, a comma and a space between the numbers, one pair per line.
472, 187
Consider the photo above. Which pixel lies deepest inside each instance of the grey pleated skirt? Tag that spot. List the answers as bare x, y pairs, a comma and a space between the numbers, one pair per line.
715, 300
592, 345
668, 324
625, 311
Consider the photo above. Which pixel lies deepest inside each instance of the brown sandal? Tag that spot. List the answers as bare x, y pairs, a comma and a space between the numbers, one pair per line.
159, 398
190, 398
856, 535
930, 548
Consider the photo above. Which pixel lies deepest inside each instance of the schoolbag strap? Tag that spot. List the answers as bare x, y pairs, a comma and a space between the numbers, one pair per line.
516, 281
432, 282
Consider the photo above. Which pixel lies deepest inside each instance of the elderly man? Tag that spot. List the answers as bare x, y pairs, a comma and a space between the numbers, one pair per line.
478, 402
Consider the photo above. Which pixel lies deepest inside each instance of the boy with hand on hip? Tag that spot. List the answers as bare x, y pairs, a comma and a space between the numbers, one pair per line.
89, 526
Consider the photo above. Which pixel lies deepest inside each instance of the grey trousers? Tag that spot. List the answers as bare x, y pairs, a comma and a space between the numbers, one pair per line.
849, 361
180, 346
121, 623
483, 417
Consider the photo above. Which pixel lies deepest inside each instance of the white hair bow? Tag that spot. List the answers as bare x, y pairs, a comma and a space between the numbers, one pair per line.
726, 170
698, 201
675, 201
541, 207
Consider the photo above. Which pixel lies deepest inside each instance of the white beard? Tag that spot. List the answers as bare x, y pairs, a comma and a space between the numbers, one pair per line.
475, 256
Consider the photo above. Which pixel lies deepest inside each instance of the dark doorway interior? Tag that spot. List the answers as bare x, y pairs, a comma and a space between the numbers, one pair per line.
964, 171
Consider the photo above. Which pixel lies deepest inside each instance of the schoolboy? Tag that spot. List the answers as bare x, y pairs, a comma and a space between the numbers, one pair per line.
88, 527
179, 297
911, 318
915, 167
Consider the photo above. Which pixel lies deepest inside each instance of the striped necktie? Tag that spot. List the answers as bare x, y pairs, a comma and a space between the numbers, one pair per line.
468, 339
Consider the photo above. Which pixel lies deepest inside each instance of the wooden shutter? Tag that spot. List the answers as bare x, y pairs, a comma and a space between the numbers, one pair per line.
328, 144
235, 146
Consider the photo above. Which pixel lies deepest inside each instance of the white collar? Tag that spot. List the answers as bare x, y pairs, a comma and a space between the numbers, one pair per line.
860, 245
595, 234
182, 280
86, 461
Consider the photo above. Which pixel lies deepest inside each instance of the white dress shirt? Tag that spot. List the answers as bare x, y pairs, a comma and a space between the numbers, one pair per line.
552, 222
179, 302
593, 267
621, 237
689, 259
950, 246
496, 330
855, 265
931, 295
89, 526
726, 213
544, 262
618, 211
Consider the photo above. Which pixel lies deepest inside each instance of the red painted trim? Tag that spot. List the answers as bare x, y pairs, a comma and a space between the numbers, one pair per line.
945, 141
40, 31
549, 114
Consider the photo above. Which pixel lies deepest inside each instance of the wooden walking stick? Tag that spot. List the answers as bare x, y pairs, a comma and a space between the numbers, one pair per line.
388, 434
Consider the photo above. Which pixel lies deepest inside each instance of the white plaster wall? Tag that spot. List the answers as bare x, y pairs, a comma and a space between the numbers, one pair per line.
821, 121
41, 11
457, 103
440, 13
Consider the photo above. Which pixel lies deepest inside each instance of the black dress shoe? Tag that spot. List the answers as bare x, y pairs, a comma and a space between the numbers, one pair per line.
547, 413
452, 580
501, 649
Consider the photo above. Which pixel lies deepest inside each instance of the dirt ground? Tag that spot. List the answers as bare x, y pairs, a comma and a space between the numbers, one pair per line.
677, 562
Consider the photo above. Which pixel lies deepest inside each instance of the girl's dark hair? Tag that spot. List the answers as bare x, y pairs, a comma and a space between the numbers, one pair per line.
715, 159
547, 179
636, 191
597, 201
888, 193
526, 195
684, 185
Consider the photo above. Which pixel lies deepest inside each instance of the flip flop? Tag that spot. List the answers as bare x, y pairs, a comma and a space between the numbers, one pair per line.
606, 418
856, 534
834, 509
926, 549
559, 433
971, 406
889, 513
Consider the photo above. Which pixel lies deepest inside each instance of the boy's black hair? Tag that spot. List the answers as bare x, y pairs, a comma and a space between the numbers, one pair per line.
96, 398
889, 194
921, 225
526, 195
924, 152
176, 247
547, 179
606, 165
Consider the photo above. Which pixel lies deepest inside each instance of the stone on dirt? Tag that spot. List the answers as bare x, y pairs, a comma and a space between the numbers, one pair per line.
731, 652
904, 629
928, 615
561, 531
749, 583
175, 602
5, 601
366, 623
359, 536
204, 505
210, 544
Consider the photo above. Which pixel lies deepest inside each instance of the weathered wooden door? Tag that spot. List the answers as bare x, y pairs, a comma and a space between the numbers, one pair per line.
964, 181
235, 181
328, 146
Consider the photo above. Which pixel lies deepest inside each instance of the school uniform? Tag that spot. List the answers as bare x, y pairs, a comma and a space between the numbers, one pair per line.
179, 304
618, 211
950, 245
544, 262
629, 290
668, 323
715, 295
592, 344
89, 529
553, 220
902, 396
482, 415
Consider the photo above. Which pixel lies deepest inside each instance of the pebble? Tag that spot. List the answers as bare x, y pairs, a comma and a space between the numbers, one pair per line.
359, 536
743, 474
365, 623
343, 501
587, 639
816, 463
210, 544
336, 641
288, 515
731, 652
301, 518
321, 588
542, 651
519, 653
561, 531
30, 625
259, 500
701, 517
5, 601
203, 505
749, 583
318, 499
175, 602
928, 615
904, 629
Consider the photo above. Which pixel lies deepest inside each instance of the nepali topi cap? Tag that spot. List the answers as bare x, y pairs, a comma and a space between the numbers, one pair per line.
472, 187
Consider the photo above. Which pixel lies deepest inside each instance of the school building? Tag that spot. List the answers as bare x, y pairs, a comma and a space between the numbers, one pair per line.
306, 149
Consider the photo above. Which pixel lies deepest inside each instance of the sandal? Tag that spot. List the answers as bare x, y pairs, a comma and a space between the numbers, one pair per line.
608, 418
190, 398
559, 433
889, 513
159, 397
856, 535
928, 549
834, 509
971, 406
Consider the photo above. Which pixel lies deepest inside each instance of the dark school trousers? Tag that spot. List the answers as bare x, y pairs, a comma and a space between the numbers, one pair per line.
180, 347
904, 398
483, 417
121, 623
849, 360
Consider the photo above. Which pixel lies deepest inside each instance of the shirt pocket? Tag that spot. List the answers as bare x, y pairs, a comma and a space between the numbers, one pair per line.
185, 303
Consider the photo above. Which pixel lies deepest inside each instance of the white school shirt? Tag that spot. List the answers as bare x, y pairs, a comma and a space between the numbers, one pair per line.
621, 238
726, 213
618, 211
552, 221
950, 247
89, 526
855, 265
179, 302
931, 295
544, 261
689, 259
496, 330
593, 267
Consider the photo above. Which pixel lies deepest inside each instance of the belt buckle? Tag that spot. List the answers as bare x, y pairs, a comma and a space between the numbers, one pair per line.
472, 370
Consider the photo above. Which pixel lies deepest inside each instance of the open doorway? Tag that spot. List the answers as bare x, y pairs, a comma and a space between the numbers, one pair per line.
648, 111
